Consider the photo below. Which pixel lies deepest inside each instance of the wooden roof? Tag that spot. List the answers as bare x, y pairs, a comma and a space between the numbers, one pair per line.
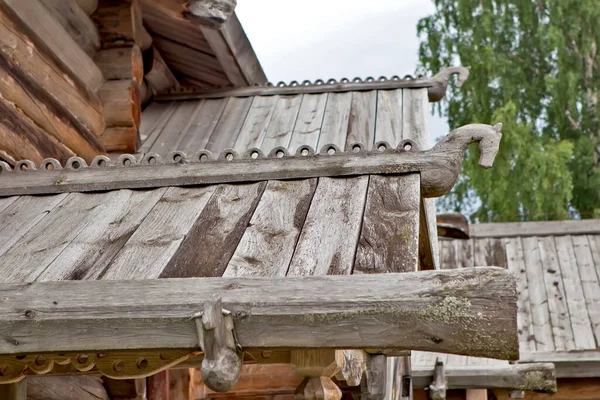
557, 265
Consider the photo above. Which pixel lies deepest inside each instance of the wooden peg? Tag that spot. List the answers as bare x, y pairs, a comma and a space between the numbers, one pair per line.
222, 362
437, 389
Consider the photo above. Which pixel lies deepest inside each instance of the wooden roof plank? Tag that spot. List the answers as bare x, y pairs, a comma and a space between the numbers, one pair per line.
203, 125
156, 240
582, 329
178, 122
389, 116
595, 249
557, 299
448, 254
330, 233
227, 130
282, 123
154, 120
540, 316
590, 281
22, 214
542, 228
256, 123
308, 124
516, 264
90, 253
50, 236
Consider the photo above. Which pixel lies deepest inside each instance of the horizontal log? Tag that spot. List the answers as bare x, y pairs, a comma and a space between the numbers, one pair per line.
121, 102
125, 139
44, 80
527, 377
65, 388
21, 138
76, 22
119, 63
40, 25
470, 311
120, 24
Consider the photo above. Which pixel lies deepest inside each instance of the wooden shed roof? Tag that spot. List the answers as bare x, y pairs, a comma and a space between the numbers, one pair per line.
557, 265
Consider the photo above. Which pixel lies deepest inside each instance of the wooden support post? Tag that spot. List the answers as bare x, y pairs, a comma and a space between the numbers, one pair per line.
317, 367
14, 391
437, 389
374, 383
352, 366
399, 381
158, 386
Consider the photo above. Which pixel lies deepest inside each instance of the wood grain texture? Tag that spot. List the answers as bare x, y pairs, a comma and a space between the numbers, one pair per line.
65, 388
159, 315
161, 77
590, 281
202, 126
121, 63
540, 315
541, 228
156, 240
48, 34
560, 321
121, 102
154, 119
390, 230
178, 121
120, 24
121, 139
516, 265
256, 123
308, 124
76, 22
21, 138
389, 117
14, 391
90, 253
228, 129
582, 329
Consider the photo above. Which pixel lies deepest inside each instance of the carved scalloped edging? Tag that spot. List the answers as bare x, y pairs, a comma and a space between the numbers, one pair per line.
118, 365
202, 156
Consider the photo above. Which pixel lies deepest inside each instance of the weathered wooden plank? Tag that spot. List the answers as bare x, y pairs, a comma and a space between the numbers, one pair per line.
448, 254
21, 138
590, 281
540, 316
40, 76
480, 247
308, 124
256, 123
327, 244
177, 123
516, 265
230, 124
22, 215
30, 256
268, 243
154, 119
92, 250
202, 127
49, 35
6, 202
583, 334
282, 123
465, 253
542, 228
560, 320
120, 24
76, 22
390, 230
595, 249
389, 116
158, 237
161, 77
160, 315
121, 102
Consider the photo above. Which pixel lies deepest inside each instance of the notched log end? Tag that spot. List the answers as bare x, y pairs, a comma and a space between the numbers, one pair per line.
539, 378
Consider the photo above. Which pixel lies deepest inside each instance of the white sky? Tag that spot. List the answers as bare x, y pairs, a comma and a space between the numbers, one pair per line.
311, 39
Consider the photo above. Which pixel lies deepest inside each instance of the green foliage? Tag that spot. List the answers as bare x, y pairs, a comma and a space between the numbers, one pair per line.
534, 68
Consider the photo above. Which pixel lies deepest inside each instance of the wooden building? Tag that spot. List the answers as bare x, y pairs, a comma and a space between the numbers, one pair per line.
142, 151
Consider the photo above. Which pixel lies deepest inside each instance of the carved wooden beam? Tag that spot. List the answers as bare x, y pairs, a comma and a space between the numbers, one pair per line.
212, 13
470, 311
439, 167
441, 79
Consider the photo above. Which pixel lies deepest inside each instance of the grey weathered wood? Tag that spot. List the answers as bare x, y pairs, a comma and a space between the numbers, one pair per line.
337, 87
22, 215
540, 316
160, 77
543, 228
76, 22
330, 234
441, 80
580, 322
439, 167
177, 124
437, 389
390, 230
448, 254
158, 237
202, 127
373, 385
590, 281
282, 123
389, 117
230, 124
308, 124
14, 391
466, 311
96, 245
7, 201
212, 13
560, 320
530, 377
516, 265
154, 119
256, 123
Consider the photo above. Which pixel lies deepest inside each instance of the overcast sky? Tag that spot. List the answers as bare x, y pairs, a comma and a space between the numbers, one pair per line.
312, 39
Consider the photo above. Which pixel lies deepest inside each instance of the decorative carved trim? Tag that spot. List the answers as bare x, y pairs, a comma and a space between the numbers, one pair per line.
440, 82
439, 166
117, 365
304, 87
